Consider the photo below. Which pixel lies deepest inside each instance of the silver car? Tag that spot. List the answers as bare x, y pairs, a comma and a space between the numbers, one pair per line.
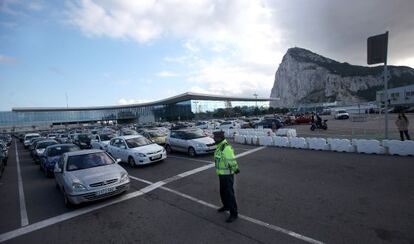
89, 175
192, 141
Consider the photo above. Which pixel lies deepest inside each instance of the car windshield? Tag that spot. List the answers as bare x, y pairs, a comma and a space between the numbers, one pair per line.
31, 137
189, 135
87, 161
341, 111
83, 137
106, 137
129, 132
59, 150
45, 144
137, 142
156, 134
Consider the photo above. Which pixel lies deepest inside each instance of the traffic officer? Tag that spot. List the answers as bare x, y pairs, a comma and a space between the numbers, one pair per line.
226, 167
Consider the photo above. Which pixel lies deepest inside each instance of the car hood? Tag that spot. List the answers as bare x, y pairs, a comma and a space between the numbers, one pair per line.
147, 149
96, 174
203, 140
159, 139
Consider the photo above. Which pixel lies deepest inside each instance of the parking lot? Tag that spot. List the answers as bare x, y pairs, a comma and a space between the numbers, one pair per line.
284, 196
372, 127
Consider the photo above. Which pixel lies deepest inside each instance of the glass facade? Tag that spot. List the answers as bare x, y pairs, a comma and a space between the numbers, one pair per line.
184, 110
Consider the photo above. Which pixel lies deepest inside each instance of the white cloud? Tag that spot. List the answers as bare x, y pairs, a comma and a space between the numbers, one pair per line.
166, 74
124, 101
7, 59
235, 43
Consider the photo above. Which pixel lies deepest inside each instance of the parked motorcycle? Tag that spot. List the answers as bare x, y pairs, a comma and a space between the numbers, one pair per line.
323, 125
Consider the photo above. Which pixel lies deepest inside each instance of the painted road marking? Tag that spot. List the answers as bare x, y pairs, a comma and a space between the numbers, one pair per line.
23, 212
247, 218
153, 186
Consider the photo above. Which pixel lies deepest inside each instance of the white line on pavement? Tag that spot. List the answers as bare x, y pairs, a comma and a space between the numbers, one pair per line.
247, 218
60, 218
190, 159
153, 186
23, 212
249, 152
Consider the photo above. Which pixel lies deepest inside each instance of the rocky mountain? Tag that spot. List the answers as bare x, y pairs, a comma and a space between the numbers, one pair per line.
306, 77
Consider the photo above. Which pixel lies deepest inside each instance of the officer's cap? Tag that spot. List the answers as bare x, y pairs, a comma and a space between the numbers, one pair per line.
218, 133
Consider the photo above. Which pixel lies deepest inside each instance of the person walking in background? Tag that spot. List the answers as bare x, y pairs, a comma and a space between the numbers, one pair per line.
402, 125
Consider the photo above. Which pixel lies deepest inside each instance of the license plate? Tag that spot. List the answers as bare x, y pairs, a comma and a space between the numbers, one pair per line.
106, 190
156, 157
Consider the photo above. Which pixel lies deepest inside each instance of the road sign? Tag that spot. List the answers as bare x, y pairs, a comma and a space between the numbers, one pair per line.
377, 49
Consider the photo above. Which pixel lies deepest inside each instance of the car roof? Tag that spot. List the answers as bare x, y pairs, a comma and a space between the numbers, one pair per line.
62, 145
127, 137
32, 134
83, 152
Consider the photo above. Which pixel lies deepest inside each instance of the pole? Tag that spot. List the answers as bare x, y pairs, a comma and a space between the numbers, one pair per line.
386, 89
386, 99
67, 104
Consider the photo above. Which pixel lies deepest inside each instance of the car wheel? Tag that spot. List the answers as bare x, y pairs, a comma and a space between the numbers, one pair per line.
168, 149
191, 152
66, 200
131, 162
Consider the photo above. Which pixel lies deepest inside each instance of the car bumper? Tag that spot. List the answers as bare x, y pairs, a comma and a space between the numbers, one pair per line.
150, 159
205, 150
91, 196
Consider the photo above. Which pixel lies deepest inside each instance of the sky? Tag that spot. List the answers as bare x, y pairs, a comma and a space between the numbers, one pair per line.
113, 52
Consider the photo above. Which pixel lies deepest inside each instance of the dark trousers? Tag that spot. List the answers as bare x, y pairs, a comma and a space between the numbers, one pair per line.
402, 132
227, 193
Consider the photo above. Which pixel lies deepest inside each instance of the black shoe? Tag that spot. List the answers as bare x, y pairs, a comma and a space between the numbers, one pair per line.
222, 209
232, 218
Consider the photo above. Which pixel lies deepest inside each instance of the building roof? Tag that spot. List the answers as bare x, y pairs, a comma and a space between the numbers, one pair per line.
175, 99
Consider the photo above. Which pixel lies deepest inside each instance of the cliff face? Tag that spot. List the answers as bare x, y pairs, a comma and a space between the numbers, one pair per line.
306, 77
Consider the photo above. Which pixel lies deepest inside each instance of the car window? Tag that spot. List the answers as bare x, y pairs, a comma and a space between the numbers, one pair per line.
87, 161
137, 142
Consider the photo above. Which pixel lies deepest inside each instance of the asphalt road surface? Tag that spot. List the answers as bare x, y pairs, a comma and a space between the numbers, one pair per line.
284, 196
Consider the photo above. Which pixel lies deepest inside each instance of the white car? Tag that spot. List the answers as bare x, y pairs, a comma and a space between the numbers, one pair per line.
229, 125
191, 141
341, 114
89, 175
101, 141
135, 150
28, 137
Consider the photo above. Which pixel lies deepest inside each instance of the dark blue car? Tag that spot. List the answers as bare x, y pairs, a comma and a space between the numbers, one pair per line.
52, 155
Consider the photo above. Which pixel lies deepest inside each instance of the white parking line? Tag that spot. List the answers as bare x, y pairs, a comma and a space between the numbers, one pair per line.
190, 159
23, 212
247, 218
60, 218
153, 186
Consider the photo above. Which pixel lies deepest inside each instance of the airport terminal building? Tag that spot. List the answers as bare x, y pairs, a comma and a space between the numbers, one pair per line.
180, 107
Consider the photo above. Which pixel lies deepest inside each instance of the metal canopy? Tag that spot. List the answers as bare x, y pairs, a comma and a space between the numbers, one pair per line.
171, 100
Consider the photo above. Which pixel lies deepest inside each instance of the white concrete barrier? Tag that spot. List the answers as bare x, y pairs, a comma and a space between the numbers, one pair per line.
341, 145
369, 146
298, 142
317, 143
281, 141
286, 132
266, 141
402, 148
240, 139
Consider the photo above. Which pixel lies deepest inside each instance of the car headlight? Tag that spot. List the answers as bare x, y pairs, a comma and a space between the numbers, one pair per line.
141, 155
124, 177
83, 144
40, 151
76, 186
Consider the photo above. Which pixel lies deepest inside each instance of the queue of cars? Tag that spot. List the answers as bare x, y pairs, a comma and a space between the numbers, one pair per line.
85, 163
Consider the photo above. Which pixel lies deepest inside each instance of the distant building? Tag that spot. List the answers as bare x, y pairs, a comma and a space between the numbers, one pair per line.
180, 107
399, 96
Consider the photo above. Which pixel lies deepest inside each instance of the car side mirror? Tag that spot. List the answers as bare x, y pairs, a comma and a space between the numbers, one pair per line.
58, 170
118, 160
